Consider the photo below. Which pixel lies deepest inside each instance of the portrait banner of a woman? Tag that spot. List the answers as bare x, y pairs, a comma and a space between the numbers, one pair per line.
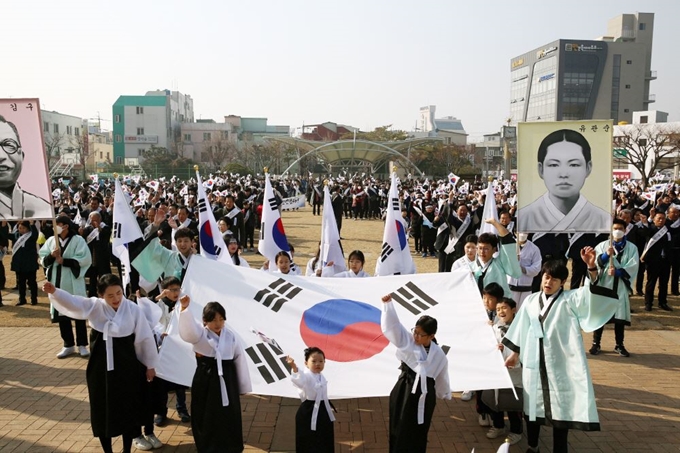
564, 176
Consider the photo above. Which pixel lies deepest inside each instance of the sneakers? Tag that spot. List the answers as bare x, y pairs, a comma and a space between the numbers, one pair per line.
82, 350
160, 420
153, 440
513, 438
484, 420
140, 443
424, 255
495, 432
621, 350
184, 416
595, 349
65, 352
466, 395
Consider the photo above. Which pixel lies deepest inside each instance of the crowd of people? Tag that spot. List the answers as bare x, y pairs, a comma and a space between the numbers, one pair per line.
520, 278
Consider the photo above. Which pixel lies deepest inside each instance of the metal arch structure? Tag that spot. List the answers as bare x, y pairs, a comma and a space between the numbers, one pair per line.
354, 153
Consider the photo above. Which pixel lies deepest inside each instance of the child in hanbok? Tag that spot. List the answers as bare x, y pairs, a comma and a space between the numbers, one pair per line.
123, 356
314, 419
424, 366
355, 263
221, 376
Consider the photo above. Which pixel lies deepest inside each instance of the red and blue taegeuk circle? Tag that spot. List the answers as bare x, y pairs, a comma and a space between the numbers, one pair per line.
401, 234
345, 330
279, 235
205, 236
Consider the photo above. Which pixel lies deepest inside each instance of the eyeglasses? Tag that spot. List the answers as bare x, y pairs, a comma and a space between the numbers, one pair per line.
10, 146
421, 335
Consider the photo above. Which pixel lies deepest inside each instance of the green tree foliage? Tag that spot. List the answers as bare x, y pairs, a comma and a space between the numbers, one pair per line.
379, 134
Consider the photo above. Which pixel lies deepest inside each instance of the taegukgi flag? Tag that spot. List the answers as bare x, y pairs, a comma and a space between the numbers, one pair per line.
331, 247
342, 317
395, 257
272, 235
125, 230
209, 236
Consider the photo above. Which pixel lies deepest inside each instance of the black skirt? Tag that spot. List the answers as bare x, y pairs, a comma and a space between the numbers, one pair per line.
406, 435
307, 441
216, 428
116, 397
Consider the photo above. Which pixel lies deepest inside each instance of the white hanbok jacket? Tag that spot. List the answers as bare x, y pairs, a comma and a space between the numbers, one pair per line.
314, 387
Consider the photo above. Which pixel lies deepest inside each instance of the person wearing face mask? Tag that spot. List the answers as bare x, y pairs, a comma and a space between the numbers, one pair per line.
617, 265
530, 263
66, 265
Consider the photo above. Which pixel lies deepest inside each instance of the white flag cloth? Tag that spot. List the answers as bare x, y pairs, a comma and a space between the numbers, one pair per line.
125, 230
490, 211
272, 235
395, 257
209, 236
331, 248
342, 317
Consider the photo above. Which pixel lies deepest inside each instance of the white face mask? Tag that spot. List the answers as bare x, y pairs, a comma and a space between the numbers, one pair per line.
59, 230
618, 235
522, 237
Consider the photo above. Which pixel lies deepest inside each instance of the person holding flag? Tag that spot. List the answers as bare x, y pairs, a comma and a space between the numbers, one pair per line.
209, 236
331, 254
272, 235
125, 230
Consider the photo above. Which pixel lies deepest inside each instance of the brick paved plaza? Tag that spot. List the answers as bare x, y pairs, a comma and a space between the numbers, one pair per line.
44, 406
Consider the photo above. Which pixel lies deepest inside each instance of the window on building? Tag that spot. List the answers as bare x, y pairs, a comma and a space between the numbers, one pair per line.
119, 160
629, 61
140, 152
140, 131
626, 110
108, 155
56, 128
46, 126
76, 131
187, 137
206, 136
642, 26
628, 86
644, 119
101, 154
140, 110
116, 118
642, 141
69, 130
118, 138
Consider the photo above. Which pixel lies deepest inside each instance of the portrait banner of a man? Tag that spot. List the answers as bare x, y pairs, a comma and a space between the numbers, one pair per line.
24, 178
564, 176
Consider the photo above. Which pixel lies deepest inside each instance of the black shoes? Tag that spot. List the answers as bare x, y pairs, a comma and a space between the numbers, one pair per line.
595, 349
21, 303
184, 416
665, 307
648, 308
160, 420
621, 350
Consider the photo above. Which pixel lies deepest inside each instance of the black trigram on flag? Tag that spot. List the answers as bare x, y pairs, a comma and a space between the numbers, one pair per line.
413, 298
117, 230
273, 204
270, 362
446, 349
386, 251
201, 205
395, 204
276, 294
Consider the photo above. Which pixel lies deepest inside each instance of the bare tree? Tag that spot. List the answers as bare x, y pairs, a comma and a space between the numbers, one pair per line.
650, 148
218, 151
53, 143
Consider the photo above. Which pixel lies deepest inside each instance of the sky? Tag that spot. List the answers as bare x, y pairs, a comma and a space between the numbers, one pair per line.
364, 63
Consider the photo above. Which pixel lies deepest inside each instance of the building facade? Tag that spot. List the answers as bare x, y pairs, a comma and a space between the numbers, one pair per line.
140, 122
63, 136
450, 129
605, 78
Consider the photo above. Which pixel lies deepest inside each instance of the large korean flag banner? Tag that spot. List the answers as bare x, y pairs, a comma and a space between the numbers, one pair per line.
24, 176
564, 176
342, 317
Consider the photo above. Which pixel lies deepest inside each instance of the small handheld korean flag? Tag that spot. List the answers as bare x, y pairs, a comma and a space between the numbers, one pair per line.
453, 179
125, 230
490, 211
210, 238
331, 248
395, 256
272, 235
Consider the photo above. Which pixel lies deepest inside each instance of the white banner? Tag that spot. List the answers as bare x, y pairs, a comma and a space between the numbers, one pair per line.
295, 202
342, 317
